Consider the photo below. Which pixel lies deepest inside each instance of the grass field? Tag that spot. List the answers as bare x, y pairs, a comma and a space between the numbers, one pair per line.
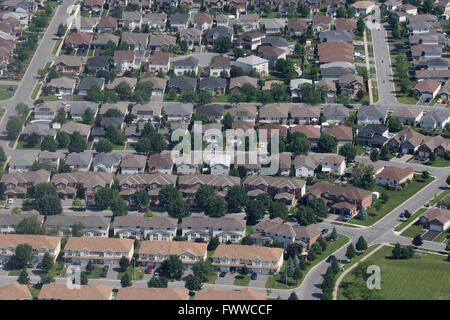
438, 162
395, 199
36, 90
241, 280
439, 197
4, 94
273, 282
95, 274
424, 278
413, 230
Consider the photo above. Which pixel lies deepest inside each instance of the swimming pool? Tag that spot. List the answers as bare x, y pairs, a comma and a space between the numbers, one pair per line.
41, 121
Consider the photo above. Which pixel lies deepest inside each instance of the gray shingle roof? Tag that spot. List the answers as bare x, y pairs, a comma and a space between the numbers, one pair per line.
108, 159
79, 158
183, 83
189, 62
69, 220
212, 83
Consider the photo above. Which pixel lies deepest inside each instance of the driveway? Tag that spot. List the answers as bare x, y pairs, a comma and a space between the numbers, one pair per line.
430, 235
227, 280
260, 281
403, 159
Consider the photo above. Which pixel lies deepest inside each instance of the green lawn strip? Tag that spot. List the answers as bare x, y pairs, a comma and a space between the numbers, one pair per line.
220, 98
358, 258
395, 199
424, 278
14, 273
209, 254
136, 274
359, 150
439, 197
212, 278
438, 162
273, 281
34, 292
413, 231
241, 280
440, 238
36, 90
412, 218
248, 230
56, 47
58, 270
50, 97
23, 145
118, 147
95, 274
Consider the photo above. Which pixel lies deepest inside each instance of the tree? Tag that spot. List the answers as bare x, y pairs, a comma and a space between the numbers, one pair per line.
178, 209
14, 127
425, 174
216, 207
48, 143
236, 198
286, 68
77, 229
319, 207
77, 142
2, 154
60, 116
326, 143
141, 198
22, 109
335, 266
362, 176
227, 121
417, 241
47, 262
374, 155
157, 283
118, 206
236, 72
61, 30
360, 26
361, 245
334, 234
49, 204
63, 139
351, 252
203, 194
298, 273
448, 180
202, 269
249, 91
247, 241
298, 143
397, 251
255, 211
172, 268
204, 97
124, 263
362, 215
193, 284
305, 215
84, 278
90, 266
168, 195
395, 125
23, 277
46, 278
293, 296
188, 96
22, 256
104, 145
348, 151
88, 116
223, 44
278, 209
126, 280
103, 197
213, 243
143, 145
29, 225
114, 135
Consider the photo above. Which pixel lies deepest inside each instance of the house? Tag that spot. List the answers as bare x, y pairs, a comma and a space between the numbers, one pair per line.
330, 87
305, 114
272, 54
351, 83
336, 36
136, 41
270, 128
249, 21
408, 9
179, 21
218, 163
71, 127
394, 176
435, 119
212, 111
426, 89
284, 160
147, 112
125, 60
93, 226
46, 111
363, 7
108, 162
80, 161
51, 158
182, 83
374, 114
232, 257
222, 20
157, 42
297, 26
136, 293
320, 23
345, 24
373, 135
18, 184
274, 25
213, 85
407, 141
160, 162
243, 113
178, 111
159, 85
94, 5
68, 64
269, 230
40, 244
62, 86
335, 113
122, 107
408, 115
161, 4
158, 62
341, 134
154, 253
203, 21
180, 67
87, 83
334, 165
238, 82
218, 65
253, 62
133, 163
343, 200
435, 219
192, 36
95, 64
15, 291
60, 291
131, 20
335, 51
312, 133
107, 24
79, 40
250, 40
215, 32
273, 113
22, 162
305, 166
186, 164
104, 251
445, 92
295, 85
206, 228
86, 25
189, 184
437, 145
215, 293
39, 129
155, 21
156, 228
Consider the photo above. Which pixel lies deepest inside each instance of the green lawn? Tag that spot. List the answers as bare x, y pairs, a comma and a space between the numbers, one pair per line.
438, 162
220, 98
395, 199
440, 238
414, 216
55, 48
118, 147
358, 258
413, 231
273, 282
4, 94
212, 278
439, 197
23, 145
58, 270
241, 280
14, 273
50, 97
36, 90
424, 278
248, 230
138, 273
359, 150
95, 274
34, 292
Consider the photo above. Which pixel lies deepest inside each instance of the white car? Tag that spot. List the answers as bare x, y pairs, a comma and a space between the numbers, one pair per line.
10, 200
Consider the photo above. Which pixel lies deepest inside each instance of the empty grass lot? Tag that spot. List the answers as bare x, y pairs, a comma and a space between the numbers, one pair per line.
395, 199
5, 94
424, 278
95, 274
273, 282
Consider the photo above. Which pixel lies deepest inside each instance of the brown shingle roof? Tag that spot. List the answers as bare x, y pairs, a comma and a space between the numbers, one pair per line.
348, 192
340, 133
429, 86
172, 247
248, 252
394, 173
35, 241
123, 55
79, 38
15, 291
218, 294
57, 290
345, 24
203, 17
135, 293
335, 51
311, 132
99, 244
160, 160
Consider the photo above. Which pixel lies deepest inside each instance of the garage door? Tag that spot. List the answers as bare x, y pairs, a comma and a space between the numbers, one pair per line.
435, 227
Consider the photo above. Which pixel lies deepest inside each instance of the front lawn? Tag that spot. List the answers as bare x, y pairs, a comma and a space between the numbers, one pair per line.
241, 280
248, 230
95, 274
421, 278
5, 94
273, 282
413, 231
414, 216
438, 162
136, 274
58, 270
359, 150
14, 273
23, 145
395, 198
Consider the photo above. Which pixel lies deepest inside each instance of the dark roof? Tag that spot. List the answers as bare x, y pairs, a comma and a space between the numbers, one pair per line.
190, 62
99, 61
111, 121
178, 18
212, 110
183, 83
213, 83
373, 129
87, 83
275, 42
219, 31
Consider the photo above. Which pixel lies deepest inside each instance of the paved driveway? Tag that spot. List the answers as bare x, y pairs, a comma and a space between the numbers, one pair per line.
227, 280
403, 159
431, 235
260, 281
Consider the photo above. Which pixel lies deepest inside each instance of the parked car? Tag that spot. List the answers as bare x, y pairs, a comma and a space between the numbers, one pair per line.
144, 210
347, 217
222, 274
254, 276
7, 206
148, 270
17, 78
104, 272
10, 200
156, 274
324, 231
331, 258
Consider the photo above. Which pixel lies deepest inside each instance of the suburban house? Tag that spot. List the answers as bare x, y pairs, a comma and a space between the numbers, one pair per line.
8, 221
426, 89
51, 158
408, 115
253, 62
337, 69
178, 111
62, 86
437, 145
373, 114
436, 219
334, 165
107, 24
203, 21
137, 41
250, 40
71, 127
218, 65
131, 20
435, 119
147, 112
104, 251
79, 40
269, 230
93, 226
351, 83
249, 21
87, 83
304, 114
272, 54
206, 228
312, 133
125, 60
79, 160
407, 141
243, 113
213, 85
95, 64
160, 162
154, 228
179, 21
15, 291
192, 36
373, 135
187, 65
341, 134
46, 111
394, 176
305, 166
215, 32
274, 25
158, 62
233, 257
189, 184
21, 163
335, 114
68, 64
238, 82
159, 85
363, 7
154, 253
107, 161
295, 85
155, 21
273, 113
133, 163
182, 83
297, 26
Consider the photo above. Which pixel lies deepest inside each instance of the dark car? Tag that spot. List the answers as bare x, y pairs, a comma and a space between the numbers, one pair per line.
254, 276
331, 258
349, 106
222, 274
324, 231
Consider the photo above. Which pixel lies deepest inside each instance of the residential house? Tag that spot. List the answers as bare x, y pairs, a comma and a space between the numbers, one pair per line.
107, 24
330, 87
87, 83
87, 25
68, 64
363, 7
274, 25
238, 82
129, 183
342, 24
60, 291
93, 226
335, 113
272, 54
182, 83
222, 20
408, 115
179, 21
147, 112
136, 293
131, 20
62, 86
215, 293
250, 40
108, 162
51, 158
39, 129
213, 85
407, 141
157, 42
158, 62
343, 135
336, 36
128, 80
46, 110
22, 162
79, 160
335, 51
18, 184
192, 36
277, 42
297, 26
189, 184
125, 60
435, 119
155, 21
178, 111
253, 62
437, 145
95, 64
321, 23
312, 133
273, 113
15, 291
187, 65
295, 85
435, 219
305, 114
211, 111
243, 113
373, 135
215, 32
305, 166
218, 65
426, 90
249, 21
206, 228
156, 228
335, 70
79, 40
137, 41
373, 114
394, 176
334, 165
71, 127
351, 83
133, 163
203, 21
159, 85
160, 162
